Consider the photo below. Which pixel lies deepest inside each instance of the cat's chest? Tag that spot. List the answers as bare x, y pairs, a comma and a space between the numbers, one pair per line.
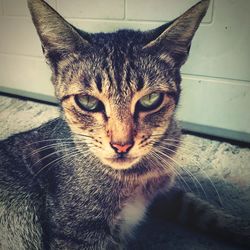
132, 213
135, 207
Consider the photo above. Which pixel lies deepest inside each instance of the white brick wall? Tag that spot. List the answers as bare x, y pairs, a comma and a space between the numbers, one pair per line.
1, 8
18, 37
164, 10
220, 50
26, 73
96, 9
160, 10
19, 7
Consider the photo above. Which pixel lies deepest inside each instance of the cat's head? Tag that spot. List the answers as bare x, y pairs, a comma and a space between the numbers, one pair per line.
118, 90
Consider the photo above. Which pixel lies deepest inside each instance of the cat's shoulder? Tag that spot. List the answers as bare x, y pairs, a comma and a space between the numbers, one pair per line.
15, 147
16, 153
47, 129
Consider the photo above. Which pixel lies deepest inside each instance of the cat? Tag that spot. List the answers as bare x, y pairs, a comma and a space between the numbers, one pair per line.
87, 179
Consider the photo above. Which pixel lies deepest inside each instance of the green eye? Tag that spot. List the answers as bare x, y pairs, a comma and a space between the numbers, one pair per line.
89, 103
150, 102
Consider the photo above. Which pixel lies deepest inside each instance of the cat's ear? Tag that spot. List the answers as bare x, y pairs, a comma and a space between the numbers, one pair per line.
56, 34
174, 39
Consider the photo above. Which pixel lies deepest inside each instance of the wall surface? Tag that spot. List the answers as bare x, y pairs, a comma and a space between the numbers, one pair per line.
216, 78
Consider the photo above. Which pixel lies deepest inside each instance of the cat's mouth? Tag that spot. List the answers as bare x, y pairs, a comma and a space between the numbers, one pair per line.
121, 162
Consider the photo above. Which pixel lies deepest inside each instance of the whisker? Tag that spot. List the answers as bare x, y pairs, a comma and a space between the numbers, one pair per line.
47, 156
51, 146
53, 153
59, 140
196, 163
183, 140
187, 171
58, 160
180, 144
161, 159
49, 140
152, 142
82, 135
59, 144
213, 185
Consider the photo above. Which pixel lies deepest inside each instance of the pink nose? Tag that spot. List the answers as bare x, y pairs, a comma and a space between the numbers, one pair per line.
121, 148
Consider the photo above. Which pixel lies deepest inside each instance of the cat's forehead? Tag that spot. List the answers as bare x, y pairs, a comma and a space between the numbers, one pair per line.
116, 67
120, 75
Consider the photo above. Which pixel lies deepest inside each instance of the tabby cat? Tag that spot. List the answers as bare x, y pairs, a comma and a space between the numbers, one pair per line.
86, 180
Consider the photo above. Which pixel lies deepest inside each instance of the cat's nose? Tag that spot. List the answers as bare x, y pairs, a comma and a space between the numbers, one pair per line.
121, 148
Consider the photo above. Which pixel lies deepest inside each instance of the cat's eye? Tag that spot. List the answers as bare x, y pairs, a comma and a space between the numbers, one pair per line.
150, 102
89, 103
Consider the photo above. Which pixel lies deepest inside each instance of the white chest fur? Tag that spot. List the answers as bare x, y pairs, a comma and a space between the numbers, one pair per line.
135, 208
132, 214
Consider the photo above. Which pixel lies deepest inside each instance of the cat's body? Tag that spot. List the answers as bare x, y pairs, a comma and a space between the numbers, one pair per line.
54, 203
87, 183
85, 206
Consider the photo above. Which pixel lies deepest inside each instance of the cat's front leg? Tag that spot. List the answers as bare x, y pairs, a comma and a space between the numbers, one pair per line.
189, 210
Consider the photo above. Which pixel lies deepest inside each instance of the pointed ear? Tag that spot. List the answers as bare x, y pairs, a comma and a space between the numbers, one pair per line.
56, 34
174, 39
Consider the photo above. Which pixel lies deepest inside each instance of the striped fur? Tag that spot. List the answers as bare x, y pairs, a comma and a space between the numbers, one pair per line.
78, 192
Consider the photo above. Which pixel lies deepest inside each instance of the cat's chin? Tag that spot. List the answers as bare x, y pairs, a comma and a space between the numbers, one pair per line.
121, 163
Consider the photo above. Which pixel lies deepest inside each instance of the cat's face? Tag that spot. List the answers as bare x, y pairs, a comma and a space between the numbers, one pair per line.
118, 90
121, 107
